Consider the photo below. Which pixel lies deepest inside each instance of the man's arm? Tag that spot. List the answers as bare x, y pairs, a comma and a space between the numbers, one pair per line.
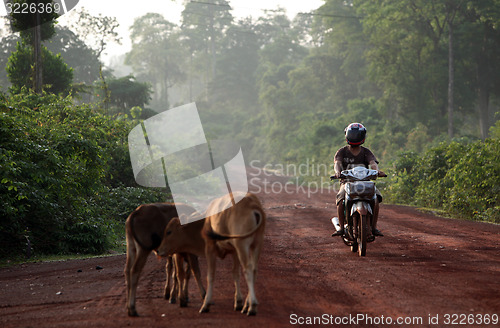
373, 165
338, 168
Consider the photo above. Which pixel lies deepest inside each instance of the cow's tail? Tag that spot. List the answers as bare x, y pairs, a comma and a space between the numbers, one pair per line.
259, 217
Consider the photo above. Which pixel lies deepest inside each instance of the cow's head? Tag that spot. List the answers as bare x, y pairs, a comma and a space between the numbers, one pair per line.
172, 238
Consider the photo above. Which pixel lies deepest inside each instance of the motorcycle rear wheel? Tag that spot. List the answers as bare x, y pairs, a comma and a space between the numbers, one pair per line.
362, 235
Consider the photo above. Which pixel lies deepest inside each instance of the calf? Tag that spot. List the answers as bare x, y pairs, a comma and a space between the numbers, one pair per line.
144, 230
238, 230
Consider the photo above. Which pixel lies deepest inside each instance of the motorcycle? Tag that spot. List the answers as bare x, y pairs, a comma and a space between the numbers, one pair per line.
359, 200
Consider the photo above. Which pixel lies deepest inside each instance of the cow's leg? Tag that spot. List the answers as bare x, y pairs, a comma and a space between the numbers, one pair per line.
195, 269
247, 264
238, 300
168, 284
181, 277
131, 255
187, 276
255, 252
211, 257
175, 288
254, 259
135, 272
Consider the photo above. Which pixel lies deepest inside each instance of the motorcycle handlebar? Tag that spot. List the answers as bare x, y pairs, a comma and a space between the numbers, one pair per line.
380, 175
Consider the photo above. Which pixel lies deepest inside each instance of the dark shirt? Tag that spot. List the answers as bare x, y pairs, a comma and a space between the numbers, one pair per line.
348, 160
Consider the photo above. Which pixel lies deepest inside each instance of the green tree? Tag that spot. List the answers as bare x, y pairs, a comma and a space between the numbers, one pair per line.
96, 31
338, 61
203, 25
407, 59
8, 45
66, 181
80, 57
234, 83
434, 60
57, 77
34, 26
281, 43
157, 55
280, 53
480, 46
126, 93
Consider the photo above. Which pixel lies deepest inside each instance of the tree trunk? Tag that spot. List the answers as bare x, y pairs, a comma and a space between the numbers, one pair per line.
451, 80
212, 40
483, 89
483, 108
37, 47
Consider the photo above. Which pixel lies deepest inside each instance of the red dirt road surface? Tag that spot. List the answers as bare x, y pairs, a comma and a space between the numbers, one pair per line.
426, 272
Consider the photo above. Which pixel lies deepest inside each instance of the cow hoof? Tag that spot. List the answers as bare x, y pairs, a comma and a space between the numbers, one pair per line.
250, 310
132, 313
183, 303
172, 300
252, 313
238, 306
245, 308
167, 295
204, 309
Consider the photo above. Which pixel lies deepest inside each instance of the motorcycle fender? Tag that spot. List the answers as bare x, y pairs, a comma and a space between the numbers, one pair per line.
362, 207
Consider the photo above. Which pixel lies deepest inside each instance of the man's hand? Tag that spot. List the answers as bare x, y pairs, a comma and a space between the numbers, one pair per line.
338, 169
335, 176
382, 174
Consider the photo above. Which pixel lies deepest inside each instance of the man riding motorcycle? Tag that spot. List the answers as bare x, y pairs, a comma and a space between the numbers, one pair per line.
351, 156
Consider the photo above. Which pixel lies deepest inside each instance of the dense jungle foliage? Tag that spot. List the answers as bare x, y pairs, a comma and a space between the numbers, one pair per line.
460, 177
421, 75
66, 180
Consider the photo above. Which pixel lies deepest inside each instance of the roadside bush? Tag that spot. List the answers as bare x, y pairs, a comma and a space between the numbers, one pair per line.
403, 180
64, 171
475, 182
461, 178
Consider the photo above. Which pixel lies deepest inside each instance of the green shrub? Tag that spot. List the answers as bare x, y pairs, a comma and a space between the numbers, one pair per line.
475, 180
461, 178
403, 180
64, 172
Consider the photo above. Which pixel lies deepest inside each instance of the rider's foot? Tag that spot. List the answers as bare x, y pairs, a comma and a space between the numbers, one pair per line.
338, 233
377, 232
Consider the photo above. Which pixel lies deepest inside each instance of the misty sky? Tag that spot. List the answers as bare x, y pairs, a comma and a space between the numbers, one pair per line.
126, 10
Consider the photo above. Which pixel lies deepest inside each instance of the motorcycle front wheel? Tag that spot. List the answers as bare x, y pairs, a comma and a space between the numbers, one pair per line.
362, 235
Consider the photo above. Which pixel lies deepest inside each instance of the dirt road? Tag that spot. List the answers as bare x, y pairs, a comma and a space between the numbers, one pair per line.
426, 272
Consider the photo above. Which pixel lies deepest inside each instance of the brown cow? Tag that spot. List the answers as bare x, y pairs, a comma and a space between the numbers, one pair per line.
239, 230
144, 230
